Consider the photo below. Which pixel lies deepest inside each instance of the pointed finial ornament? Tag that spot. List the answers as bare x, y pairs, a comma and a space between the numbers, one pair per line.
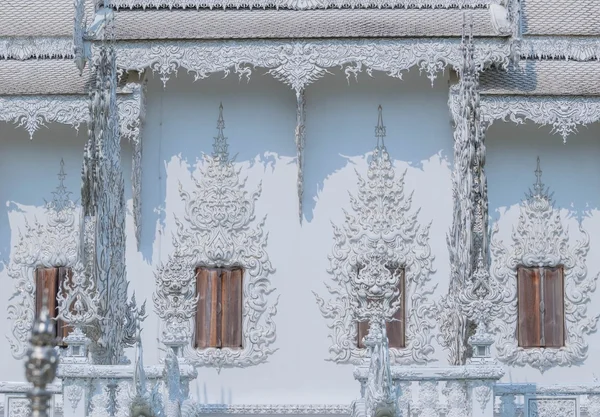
380, 128
220, 146
62, 197
42, 361
539, 185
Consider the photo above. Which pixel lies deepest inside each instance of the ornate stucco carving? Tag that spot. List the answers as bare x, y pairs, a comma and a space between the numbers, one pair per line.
299, 63
103, 202
219, 230
541, 240
467, 239
267, 409
299, 4
33, 112
571, 48
50, 243
382, 233
564, 114
38, 47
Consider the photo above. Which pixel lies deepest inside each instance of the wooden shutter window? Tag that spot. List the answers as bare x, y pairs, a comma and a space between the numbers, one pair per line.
554, 307
540, 307
232, 308
219, 311
208, 284
395, 329
51, 279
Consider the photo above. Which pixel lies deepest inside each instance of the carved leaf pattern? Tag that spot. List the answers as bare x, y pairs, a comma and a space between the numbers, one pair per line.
541, 240
219, 230
299, 63
381, 232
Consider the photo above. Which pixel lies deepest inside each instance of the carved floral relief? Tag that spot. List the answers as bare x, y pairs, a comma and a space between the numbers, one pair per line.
541, 240
381, 232
219, 229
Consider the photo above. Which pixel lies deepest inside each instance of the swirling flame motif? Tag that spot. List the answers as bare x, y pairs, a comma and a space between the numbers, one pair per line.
382, 237
540, 240
218, 230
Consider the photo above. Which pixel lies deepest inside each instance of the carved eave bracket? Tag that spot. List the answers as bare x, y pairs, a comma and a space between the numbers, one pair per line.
563, 114
381, 233
218, 230
34, 112
541, 239
300, 63
48, 243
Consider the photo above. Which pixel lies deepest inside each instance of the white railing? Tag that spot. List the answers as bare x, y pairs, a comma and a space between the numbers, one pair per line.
454, 391
14, 401
529, 399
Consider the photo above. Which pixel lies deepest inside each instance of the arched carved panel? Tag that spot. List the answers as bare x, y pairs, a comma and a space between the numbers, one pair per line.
49, 243
541, 240
218, 230
382, 231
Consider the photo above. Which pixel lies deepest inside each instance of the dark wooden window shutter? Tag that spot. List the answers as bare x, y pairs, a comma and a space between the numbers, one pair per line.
219, 313
232, 308
395, 329
554, 307
540, 307
208, 326
51, 279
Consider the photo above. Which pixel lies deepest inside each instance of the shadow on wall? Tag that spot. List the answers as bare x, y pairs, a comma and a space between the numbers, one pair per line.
29, 168
260, 119
571, 170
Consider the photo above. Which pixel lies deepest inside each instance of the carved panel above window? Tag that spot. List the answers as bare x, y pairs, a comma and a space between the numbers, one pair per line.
219, 272
546, 288
378, 239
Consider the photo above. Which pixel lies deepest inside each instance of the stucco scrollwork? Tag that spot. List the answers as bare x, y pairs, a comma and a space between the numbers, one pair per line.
541, 240
299, 63
564, 114
50, 243
218, 230
381, 235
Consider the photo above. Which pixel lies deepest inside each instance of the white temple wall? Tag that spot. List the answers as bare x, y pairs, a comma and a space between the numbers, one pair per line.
28, 176
572, 172
260, 118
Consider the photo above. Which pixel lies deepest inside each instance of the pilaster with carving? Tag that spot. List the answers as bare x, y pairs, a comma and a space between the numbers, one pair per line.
381, 234
541, 240
104, 206
468, 236
300, 136
218, 230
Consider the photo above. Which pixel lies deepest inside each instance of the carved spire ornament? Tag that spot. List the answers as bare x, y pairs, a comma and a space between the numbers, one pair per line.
541, 240
467, 239
218, 230
380, 238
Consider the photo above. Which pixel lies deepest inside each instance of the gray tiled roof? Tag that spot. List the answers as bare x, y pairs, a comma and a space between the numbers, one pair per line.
48, 76
561, 17
354, 23
545, 77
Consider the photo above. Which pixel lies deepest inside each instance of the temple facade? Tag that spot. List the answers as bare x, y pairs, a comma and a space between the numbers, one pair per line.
302, 207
